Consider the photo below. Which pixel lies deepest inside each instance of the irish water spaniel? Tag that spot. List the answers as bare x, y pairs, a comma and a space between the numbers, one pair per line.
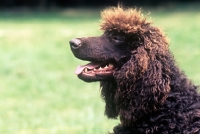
140, 81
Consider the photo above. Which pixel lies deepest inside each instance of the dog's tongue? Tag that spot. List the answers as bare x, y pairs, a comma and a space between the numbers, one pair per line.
91, 65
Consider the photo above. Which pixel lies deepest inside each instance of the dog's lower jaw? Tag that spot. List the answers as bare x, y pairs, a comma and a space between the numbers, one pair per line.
96, 77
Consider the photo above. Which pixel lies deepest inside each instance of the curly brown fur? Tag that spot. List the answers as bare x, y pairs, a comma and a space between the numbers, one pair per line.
139, 79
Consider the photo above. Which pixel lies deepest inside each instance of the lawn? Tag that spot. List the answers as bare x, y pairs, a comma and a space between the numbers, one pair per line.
39, 93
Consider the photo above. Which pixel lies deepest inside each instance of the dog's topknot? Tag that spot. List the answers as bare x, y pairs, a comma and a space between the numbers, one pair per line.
123, 20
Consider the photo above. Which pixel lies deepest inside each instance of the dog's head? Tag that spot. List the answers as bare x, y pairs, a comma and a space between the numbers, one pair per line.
127, 35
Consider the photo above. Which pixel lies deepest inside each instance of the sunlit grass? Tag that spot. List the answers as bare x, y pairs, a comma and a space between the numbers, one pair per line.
39, 93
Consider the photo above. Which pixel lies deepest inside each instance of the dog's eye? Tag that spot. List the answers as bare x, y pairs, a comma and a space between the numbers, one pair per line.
117, 38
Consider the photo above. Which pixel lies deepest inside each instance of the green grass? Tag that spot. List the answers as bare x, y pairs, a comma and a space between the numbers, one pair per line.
39, 93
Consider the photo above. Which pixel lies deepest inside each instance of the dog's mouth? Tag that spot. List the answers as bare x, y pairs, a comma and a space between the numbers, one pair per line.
96, 71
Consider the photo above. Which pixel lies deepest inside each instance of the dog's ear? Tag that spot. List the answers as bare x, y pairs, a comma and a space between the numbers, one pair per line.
145, 77
155, 84
144, 81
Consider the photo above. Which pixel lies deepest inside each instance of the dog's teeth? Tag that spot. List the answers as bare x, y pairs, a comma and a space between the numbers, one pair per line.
106, 66
94, 69
111, 65
86, 70
100, 68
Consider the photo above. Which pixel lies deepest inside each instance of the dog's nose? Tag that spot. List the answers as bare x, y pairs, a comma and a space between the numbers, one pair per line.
75, 43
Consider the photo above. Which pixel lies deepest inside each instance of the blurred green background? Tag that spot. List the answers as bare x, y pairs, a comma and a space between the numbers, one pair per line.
39, 92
